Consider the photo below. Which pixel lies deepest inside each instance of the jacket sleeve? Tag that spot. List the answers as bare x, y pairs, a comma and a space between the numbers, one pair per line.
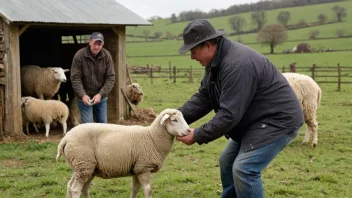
197, 106
109, 76
238, 88
76, 76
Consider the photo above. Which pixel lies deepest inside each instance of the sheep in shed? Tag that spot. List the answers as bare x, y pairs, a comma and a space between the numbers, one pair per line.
135, 93
309, 94
46, 111
111, 151
42, 83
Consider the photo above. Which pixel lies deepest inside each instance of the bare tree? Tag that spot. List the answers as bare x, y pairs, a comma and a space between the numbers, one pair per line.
284, 17
340, 12
146, 33
322, 18
237, 23
158, 35
259, 19
272, 35
340, 33
313, 34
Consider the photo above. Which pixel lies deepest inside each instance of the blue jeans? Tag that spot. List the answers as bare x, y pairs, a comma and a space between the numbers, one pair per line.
241, 171
97, 112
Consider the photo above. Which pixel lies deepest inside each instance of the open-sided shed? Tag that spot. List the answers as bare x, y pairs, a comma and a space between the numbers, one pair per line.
48, 33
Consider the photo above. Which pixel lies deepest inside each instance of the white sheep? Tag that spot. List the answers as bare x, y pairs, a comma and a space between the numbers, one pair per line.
110, 151
309, 94
46, 111
41, 83
135, 93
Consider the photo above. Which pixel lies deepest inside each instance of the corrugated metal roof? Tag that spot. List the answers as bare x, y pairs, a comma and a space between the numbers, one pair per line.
108, 12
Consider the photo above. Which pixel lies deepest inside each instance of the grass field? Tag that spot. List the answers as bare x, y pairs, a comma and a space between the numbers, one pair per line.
28, 168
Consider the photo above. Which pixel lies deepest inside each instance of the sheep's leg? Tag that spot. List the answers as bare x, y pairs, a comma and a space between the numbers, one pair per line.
69, 185
47, 128
313, 126
85, 189
136, 185
145, 181
27, 128
306, 136
35, 127
76, 189
64, 125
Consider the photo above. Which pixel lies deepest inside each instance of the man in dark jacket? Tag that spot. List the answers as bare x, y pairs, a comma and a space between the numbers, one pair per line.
93, 77
254, 104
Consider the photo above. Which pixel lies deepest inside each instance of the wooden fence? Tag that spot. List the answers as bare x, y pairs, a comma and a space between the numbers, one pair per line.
321, 74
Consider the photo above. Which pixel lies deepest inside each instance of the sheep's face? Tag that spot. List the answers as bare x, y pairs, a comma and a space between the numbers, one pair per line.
175, 123
25, 101
59, 73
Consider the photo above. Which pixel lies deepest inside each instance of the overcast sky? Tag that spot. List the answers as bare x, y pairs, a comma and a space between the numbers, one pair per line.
164, 8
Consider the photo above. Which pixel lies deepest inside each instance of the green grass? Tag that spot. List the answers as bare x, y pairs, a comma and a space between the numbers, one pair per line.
28, 169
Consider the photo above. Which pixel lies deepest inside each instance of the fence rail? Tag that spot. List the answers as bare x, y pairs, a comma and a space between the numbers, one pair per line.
321, 74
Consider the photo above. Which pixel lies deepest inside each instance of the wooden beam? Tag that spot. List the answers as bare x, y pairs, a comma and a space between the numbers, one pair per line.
24, 28
129, 103
120, 71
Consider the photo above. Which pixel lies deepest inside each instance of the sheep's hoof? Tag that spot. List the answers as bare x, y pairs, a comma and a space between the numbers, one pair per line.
314, 145
304, 143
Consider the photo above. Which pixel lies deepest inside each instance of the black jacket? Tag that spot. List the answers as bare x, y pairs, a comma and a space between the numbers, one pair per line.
254, 103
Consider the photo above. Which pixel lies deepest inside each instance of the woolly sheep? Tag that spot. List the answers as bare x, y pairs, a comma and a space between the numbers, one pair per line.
309, 94
40, 82
46, 111
135, 93
111, 151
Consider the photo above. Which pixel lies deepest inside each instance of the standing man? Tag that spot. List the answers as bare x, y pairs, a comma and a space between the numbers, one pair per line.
93, 77
254, 104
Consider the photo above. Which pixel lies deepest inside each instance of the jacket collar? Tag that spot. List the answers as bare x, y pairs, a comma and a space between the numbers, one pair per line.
220, 53
89, 54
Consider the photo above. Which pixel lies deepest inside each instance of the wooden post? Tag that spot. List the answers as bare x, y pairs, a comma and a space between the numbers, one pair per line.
283, 69
151, 74
313, 71
128, 75
174, 74
293, 67
120, 72
13, 112
190, 78
338, 77
170, 69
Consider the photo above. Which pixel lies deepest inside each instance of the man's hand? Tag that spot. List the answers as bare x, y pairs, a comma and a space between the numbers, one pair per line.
86, 99
188, 139
96, 99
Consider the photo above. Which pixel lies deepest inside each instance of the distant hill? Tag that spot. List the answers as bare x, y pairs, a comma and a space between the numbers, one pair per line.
306, 13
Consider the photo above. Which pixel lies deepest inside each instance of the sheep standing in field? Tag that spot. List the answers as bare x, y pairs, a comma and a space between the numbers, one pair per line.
135, 93
111, 151
46, 111
40, 82
309, 94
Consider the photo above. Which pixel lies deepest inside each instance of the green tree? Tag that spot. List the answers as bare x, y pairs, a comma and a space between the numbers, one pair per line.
322, 18
340, 12
237, 23
259, 19
284, 17
173, 18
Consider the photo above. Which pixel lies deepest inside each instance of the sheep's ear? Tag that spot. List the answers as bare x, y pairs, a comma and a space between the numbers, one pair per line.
66, 70
162, 120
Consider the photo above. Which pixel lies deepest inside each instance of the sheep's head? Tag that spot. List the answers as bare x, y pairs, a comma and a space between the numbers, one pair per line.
136, 93
174, 122
25, 100
59, 73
